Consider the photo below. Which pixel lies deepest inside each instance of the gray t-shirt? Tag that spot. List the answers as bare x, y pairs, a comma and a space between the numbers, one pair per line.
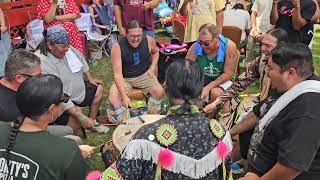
73, 83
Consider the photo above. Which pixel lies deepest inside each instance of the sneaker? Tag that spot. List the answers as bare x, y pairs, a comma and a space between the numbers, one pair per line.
100, 129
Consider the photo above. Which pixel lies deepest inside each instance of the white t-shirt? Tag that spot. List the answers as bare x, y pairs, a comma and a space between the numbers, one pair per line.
239, 18
263, 9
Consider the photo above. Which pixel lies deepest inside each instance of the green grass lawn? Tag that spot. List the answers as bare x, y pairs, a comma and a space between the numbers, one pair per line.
102, 69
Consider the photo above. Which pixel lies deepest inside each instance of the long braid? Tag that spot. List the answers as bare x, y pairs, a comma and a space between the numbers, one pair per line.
186, 106
12, 136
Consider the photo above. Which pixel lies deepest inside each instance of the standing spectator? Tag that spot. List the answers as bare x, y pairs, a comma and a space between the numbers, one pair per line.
141, 11
63, 12
260, 24
5, 43
295, 17
201, 12
240, 18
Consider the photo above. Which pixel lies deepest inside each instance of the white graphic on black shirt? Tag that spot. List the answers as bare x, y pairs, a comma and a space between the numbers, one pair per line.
19, 167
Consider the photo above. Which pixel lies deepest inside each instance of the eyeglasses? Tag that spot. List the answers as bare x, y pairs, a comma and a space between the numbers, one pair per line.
135, 36
65, 98
29, 75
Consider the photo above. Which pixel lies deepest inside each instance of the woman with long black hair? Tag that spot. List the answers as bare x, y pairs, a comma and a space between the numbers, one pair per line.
27, 150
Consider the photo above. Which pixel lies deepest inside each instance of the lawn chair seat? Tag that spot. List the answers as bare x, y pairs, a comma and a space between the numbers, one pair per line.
233, 33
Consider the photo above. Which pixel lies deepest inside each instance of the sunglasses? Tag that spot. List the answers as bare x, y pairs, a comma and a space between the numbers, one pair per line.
205, 43
64, 99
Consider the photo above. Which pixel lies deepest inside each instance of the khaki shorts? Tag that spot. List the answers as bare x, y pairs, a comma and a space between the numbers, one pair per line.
144, 83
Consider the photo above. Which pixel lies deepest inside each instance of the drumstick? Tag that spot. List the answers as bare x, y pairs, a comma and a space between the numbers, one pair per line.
95, 147
142, 120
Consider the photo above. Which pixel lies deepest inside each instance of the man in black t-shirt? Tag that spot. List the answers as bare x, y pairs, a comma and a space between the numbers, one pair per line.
296, 17
20, 66
285, 143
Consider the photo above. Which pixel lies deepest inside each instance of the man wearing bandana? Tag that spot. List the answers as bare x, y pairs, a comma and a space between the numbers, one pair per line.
59, 58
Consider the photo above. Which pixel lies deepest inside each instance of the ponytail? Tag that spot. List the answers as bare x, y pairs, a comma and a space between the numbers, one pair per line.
43, 46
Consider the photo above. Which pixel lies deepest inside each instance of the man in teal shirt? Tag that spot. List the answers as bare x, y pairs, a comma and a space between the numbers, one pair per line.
217, 57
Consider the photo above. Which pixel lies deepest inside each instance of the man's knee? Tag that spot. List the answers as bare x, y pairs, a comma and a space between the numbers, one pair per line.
114, 96
157, 92
99, 93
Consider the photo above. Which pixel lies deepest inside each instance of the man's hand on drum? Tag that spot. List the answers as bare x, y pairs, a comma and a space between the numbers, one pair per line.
126, 101
88, 123
212, 106
205, 92
86, 150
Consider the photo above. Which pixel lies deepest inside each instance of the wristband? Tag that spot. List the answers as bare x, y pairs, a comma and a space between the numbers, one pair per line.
83, 118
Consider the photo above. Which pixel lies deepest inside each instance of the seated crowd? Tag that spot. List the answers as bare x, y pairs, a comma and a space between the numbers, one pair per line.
43, 95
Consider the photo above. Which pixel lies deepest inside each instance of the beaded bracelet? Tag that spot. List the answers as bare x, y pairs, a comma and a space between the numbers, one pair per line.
83, 118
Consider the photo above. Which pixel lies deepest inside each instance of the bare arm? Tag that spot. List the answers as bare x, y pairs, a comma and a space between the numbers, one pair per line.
253, 20
3, 27
67, 17
183, 7
51, 14
297, 20
152, 4
274, 13
316, 16
2, 20
154, 54
246, 124
91, 11
117, 15
191, 55
75, 112
229, 66
117, 68
219, 20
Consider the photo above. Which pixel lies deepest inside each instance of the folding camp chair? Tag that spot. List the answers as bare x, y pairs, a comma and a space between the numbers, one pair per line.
94, 37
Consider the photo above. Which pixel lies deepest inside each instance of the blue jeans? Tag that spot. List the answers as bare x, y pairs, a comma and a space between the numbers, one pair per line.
150, 33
